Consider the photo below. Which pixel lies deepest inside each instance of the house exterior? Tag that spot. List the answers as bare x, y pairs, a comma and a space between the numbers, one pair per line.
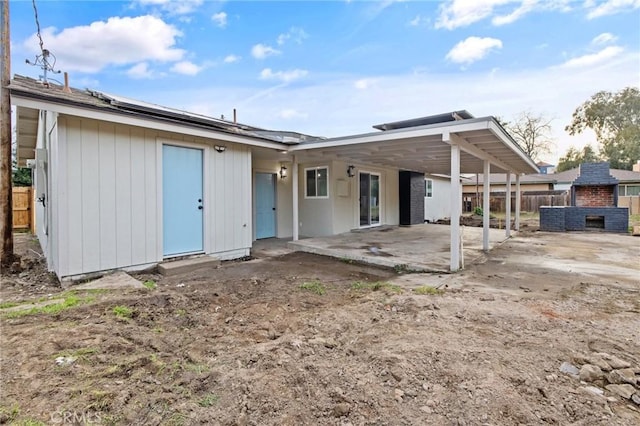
437, 199
123, 184
546, 168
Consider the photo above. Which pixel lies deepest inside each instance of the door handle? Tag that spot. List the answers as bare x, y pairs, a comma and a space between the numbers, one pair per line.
199, 207
274, 209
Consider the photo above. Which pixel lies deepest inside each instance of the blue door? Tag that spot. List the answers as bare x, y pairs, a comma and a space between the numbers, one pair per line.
182, 200
265, 205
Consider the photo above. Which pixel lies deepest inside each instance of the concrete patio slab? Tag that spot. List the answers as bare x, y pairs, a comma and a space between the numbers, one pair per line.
423, 248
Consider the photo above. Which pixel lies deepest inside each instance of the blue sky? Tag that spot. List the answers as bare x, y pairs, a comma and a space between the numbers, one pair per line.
332, 68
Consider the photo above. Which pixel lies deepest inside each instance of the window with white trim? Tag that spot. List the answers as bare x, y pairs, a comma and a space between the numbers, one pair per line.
316, 181
428, 188
630, 190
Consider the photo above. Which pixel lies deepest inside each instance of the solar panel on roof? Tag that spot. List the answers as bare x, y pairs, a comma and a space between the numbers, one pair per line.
149, 105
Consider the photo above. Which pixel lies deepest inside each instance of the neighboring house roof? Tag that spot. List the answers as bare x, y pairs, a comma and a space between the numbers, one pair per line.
543, 164
568, 176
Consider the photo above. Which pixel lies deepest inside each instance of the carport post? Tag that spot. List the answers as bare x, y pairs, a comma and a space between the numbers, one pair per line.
294, 189
486, 204
518, 195
507, 206
456, 207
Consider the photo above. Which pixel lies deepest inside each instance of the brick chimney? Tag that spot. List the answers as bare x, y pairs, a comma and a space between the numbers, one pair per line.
594, 187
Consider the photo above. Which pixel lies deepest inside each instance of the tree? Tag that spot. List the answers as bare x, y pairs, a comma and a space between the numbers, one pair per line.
21, 176
533, 133
615, 119
573, 158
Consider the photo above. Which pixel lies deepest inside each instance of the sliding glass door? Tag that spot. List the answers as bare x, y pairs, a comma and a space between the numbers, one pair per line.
369, 199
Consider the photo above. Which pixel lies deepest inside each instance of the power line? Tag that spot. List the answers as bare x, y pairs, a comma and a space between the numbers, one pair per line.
35, 12
42, 60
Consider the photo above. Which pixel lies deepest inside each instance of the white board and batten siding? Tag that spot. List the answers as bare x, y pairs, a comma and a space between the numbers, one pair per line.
47, 138
229, 204
110, 188
438, 206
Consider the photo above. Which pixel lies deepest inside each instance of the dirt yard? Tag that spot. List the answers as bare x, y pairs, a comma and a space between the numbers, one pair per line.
305, 340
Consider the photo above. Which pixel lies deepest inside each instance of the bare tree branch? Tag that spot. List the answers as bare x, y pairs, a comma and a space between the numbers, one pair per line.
533, 133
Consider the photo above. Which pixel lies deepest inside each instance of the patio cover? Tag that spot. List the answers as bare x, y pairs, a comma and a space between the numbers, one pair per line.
462, 145
427, 148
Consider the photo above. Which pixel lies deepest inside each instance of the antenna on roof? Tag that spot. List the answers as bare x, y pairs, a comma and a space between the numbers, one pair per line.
43, 60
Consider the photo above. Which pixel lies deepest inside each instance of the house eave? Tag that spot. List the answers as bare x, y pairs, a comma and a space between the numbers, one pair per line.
30, 100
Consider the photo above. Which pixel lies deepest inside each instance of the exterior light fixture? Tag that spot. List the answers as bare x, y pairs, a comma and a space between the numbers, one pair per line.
283, 172
220, 148
351, 171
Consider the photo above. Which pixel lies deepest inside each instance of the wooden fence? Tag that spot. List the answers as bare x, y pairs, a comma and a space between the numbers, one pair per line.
530, 201
23, 217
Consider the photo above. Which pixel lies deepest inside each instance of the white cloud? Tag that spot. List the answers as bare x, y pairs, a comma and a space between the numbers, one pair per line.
118, 41
295, 34
220, 19
85, 82
593, 58
377, 7
473, 49
140, 71
186, 68
526, 7
363, 83
418, 21
460, 13
288, 114
261, 51
610, 7
230, 59
174, 7
284, 76
604, 38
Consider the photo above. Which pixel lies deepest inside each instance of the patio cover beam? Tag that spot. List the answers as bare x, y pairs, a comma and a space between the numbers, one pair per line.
294, 189
486, 205
455, 204
518, 203
507, 207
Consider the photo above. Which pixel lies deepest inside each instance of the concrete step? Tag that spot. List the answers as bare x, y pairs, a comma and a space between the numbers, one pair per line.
636, 231
175, 267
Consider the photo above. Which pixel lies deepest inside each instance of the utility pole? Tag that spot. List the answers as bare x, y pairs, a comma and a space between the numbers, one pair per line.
6, 214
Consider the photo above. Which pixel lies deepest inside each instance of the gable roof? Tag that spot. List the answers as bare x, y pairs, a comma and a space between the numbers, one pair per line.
569, 176
566, 177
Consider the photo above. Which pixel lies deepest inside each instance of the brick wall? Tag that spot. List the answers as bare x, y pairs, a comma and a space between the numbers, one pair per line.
616, 219
552, 219
594, 196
